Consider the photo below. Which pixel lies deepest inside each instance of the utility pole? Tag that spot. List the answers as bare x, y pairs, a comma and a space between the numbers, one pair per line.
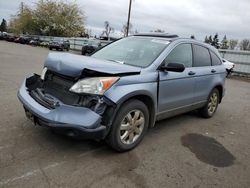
129, 10
22, 5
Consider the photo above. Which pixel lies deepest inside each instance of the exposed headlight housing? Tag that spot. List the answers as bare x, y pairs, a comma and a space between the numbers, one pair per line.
96, 85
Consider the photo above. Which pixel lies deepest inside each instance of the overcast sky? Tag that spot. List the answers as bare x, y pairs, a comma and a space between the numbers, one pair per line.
182, 17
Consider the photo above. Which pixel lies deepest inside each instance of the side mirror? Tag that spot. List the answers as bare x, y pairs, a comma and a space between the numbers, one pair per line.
174, 67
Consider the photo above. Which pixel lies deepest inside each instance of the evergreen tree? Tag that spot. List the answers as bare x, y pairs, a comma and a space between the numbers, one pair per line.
210, 40
224, 43
215, 41
206, 40
192, 37
3, 26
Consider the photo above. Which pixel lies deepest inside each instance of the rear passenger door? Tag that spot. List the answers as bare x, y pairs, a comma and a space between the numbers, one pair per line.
204, 73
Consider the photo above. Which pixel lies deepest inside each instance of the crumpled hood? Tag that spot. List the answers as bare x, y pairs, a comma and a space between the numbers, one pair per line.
74, 65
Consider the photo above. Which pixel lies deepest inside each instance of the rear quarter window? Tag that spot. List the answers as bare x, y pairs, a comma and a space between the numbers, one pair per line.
215, 59
201, 56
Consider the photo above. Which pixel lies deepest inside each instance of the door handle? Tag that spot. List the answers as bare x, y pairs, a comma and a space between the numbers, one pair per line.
191, 73
213, 71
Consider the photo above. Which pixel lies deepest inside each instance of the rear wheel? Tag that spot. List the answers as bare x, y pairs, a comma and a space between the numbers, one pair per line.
212, 103
129, 127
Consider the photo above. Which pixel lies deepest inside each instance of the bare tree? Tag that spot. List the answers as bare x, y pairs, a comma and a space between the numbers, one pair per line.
232, 44
108, 29
125, 28
245, 44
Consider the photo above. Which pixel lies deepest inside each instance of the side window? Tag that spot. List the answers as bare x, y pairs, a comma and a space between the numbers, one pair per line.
181, 54
201, 56
215, 59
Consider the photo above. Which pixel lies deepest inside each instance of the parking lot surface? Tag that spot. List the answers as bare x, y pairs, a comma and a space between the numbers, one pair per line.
183, 151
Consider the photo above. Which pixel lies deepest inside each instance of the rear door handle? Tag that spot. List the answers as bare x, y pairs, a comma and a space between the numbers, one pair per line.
191, 73
213, 71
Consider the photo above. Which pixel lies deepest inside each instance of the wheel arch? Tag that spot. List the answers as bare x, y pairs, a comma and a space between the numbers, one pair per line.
141, 96
220, 89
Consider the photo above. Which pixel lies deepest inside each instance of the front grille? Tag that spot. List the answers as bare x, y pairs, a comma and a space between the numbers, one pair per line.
58, 86
43, 99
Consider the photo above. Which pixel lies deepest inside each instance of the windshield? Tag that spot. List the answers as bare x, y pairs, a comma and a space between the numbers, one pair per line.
135, 51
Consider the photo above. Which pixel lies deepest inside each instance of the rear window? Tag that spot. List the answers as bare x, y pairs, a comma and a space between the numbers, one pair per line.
201, 56
215, 59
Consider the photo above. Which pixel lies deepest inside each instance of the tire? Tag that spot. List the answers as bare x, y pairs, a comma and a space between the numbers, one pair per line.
132, 133
212, 104
50, 48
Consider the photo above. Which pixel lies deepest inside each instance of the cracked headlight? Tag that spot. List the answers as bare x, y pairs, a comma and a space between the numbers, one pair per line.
97, 85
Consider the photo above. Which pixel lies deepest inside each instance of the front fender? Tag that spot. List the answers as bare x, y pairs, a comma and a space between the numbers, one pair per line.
131, 87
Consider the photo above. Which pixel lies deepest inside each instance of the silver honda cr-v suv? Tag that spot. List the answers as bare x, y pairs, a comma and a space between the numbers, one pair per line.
120, 91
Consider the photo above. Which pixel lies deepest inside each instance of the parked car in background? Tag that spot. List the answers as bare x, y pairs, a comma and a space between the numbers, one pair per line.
44, 44
17, 39
59, 44
2, 35
228, 65
93, 46
35, 42
23, 40
10, 37
123, 88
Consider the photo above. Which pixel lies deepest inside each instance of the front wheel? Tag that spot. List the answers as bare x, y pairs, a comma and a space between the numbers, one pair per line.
212, 103
129, 127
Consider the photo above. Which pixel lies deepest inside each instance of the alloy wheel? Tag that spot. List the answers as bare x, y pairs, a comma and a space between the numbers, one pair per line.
132, 126
213, 102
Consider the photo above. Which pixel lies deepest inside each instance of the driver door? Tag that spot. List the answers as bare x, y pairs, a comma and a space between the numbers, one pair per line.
176, 89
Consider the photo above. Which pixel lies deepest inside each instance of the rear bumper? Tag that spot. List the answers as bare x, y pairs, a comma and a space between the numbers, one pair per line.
79, 120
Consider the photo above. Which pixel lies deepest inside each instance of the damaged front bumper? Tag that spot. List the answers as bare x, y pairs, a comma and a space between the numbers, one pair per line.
72, 120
